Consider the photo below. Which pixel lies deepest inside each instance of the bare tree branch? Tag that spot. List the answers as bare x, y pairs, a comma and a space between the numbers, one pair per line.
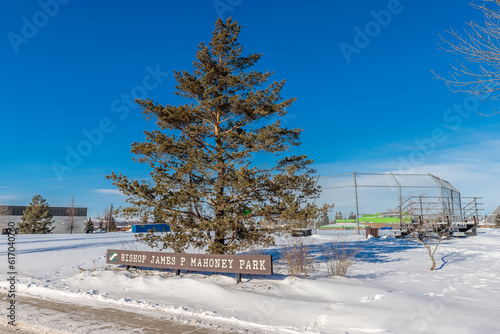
477, 68
4, 210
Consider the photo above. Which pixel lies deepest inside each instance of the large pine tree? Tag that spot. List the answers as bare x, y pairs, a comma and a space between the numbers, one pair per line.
36, 218
204, 182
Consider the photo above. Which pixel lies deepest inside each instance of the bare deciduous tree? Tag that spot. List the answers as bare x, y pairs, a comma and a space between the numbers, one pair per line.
103, 223
71, 212
477, 71
107, 222
427, 224
4, 210
429, 235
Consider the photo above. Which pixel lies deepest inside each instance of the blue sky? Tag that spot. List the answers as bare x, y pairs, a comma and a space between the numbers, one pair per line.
70, 68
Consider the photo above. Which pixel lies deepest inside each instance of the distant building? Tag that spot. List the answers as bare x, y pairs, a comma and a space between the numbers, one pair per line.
59, 215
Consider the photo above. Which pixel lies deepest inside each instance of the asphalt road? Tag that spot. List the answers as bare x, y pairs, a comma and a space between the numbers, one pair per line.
46, 316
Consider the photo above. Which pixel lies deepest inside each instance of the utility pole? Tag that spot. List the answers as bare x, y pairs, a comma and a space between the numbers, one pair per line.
356, 198
315, 219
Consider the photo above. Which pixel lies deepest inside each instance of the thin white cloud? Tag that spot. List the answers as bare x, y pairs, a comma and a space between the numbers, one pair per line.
114, 192
8, 198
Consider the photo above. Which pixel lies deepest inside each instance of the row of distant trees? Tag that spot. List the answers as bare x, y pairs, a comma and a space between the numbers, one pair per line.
325, 220
37, 219
340, 216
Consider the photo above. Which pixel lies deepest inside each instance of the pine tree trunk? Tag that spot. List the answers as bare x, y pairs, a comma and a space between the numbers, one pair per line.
219, 238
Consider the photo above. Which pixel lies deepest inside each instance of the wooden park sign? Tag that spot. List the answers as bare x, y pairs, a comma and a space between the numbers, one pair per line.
238, 264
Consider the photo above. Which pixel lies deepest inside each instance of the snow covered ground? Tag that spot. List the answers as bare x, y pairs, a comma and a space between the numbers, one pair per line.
388, 289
